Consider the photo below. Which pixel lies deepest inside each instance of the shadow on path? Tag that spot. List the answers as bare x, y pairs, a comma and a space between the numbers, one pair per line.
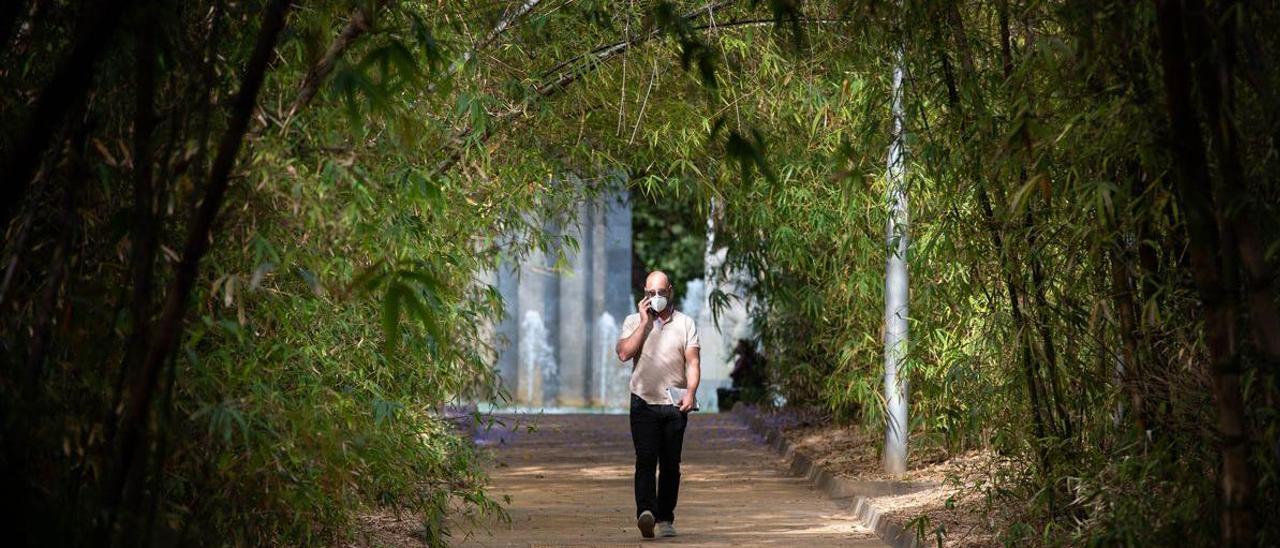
570, 481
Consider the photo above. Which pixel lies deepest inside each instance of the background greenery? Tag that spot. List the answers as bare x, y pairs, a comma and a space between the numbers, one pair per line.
668, 233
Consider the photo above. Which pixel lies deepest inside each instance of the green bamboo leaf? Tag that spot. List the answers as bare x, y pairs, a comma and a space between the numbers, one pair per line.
391, 304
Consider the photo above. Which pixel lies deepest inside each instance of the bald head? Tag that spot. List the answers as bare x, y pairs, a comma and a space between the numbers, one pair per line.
657, 280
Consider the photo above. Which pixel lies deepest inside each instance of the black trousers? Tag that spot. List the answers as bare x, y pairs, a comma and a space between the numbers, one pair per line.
658, 434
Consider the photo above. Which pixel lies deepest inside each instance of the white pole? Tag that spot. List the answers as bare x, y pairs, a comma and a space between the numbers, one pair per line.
896, 289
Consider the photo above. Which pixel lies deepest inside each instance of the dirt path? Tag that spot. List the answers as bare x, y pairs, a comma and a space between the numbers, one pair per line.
571, 485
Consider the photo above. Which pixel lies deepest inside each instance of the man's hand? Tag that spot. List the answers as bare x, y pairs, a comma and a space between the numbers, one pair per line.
643, 306
687, 402
628, 347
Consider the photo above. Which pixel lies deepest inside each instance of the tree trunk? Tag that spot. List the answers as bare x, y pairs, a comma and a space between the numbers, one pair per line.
1046, 335
1215, 81
16, 245
1122, 295
1040, 303
1034, 390
144, 202
67, 88
356, 26
46, 308
76, 132
1196, 201
170, 325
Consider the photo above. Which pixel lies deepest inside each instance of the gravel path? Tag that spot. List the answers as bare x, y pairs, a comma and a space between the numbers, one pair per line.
570, 481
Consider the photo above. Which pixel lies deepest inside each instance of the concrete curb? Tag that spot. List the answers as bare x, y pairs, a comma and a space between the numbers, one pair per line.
856, 493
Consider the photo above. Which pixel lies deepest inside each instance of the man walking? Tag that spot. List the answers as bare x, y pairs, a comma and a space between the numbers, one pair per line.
662, 344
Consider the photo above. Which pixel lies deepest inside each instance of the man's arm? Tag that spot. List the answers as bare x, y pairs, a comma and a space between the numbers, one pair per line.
628, 347
692, 375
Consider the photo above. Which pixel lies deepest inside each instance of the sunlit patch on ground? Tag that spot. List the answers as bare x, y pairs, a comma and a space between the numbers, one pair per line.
570, 480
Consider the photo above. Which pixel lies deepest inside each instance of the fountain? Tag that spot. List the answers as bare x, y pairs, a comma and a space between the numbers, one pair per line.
536, 355
607, 336
564, 315
565, 304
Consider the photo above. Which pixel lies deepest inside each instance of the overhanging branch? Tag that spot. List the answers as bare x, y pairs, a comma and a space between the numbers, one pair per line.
558, 78
583, 63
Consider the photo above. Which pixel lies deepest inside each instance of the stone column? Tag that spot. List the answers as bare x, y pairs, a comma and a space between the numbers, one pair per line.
618, 299
555, 346
539, 295
601, 367
575, 318
507, 332
551, 318
613, 291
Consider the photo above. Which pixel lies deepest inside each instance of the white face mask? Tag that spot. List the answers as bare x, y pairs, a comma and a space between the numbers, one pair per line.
658, 303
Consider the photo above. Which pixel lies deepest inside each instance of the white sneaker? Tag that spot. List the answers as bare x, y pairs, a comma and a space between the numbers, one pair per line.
666, 529
645, 523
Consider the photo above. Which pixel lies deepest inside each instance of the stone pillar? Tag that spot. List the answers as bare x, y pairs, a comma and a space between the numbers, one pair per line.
550, 282
613, 292
507, 332
539, 295
529, 301
575, 317
618, 299
555, 345
488, 331
601, 367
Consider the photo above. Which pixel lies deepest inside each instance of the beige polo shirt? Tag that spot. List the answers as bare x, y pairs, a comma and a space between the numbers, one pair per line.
661, 360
